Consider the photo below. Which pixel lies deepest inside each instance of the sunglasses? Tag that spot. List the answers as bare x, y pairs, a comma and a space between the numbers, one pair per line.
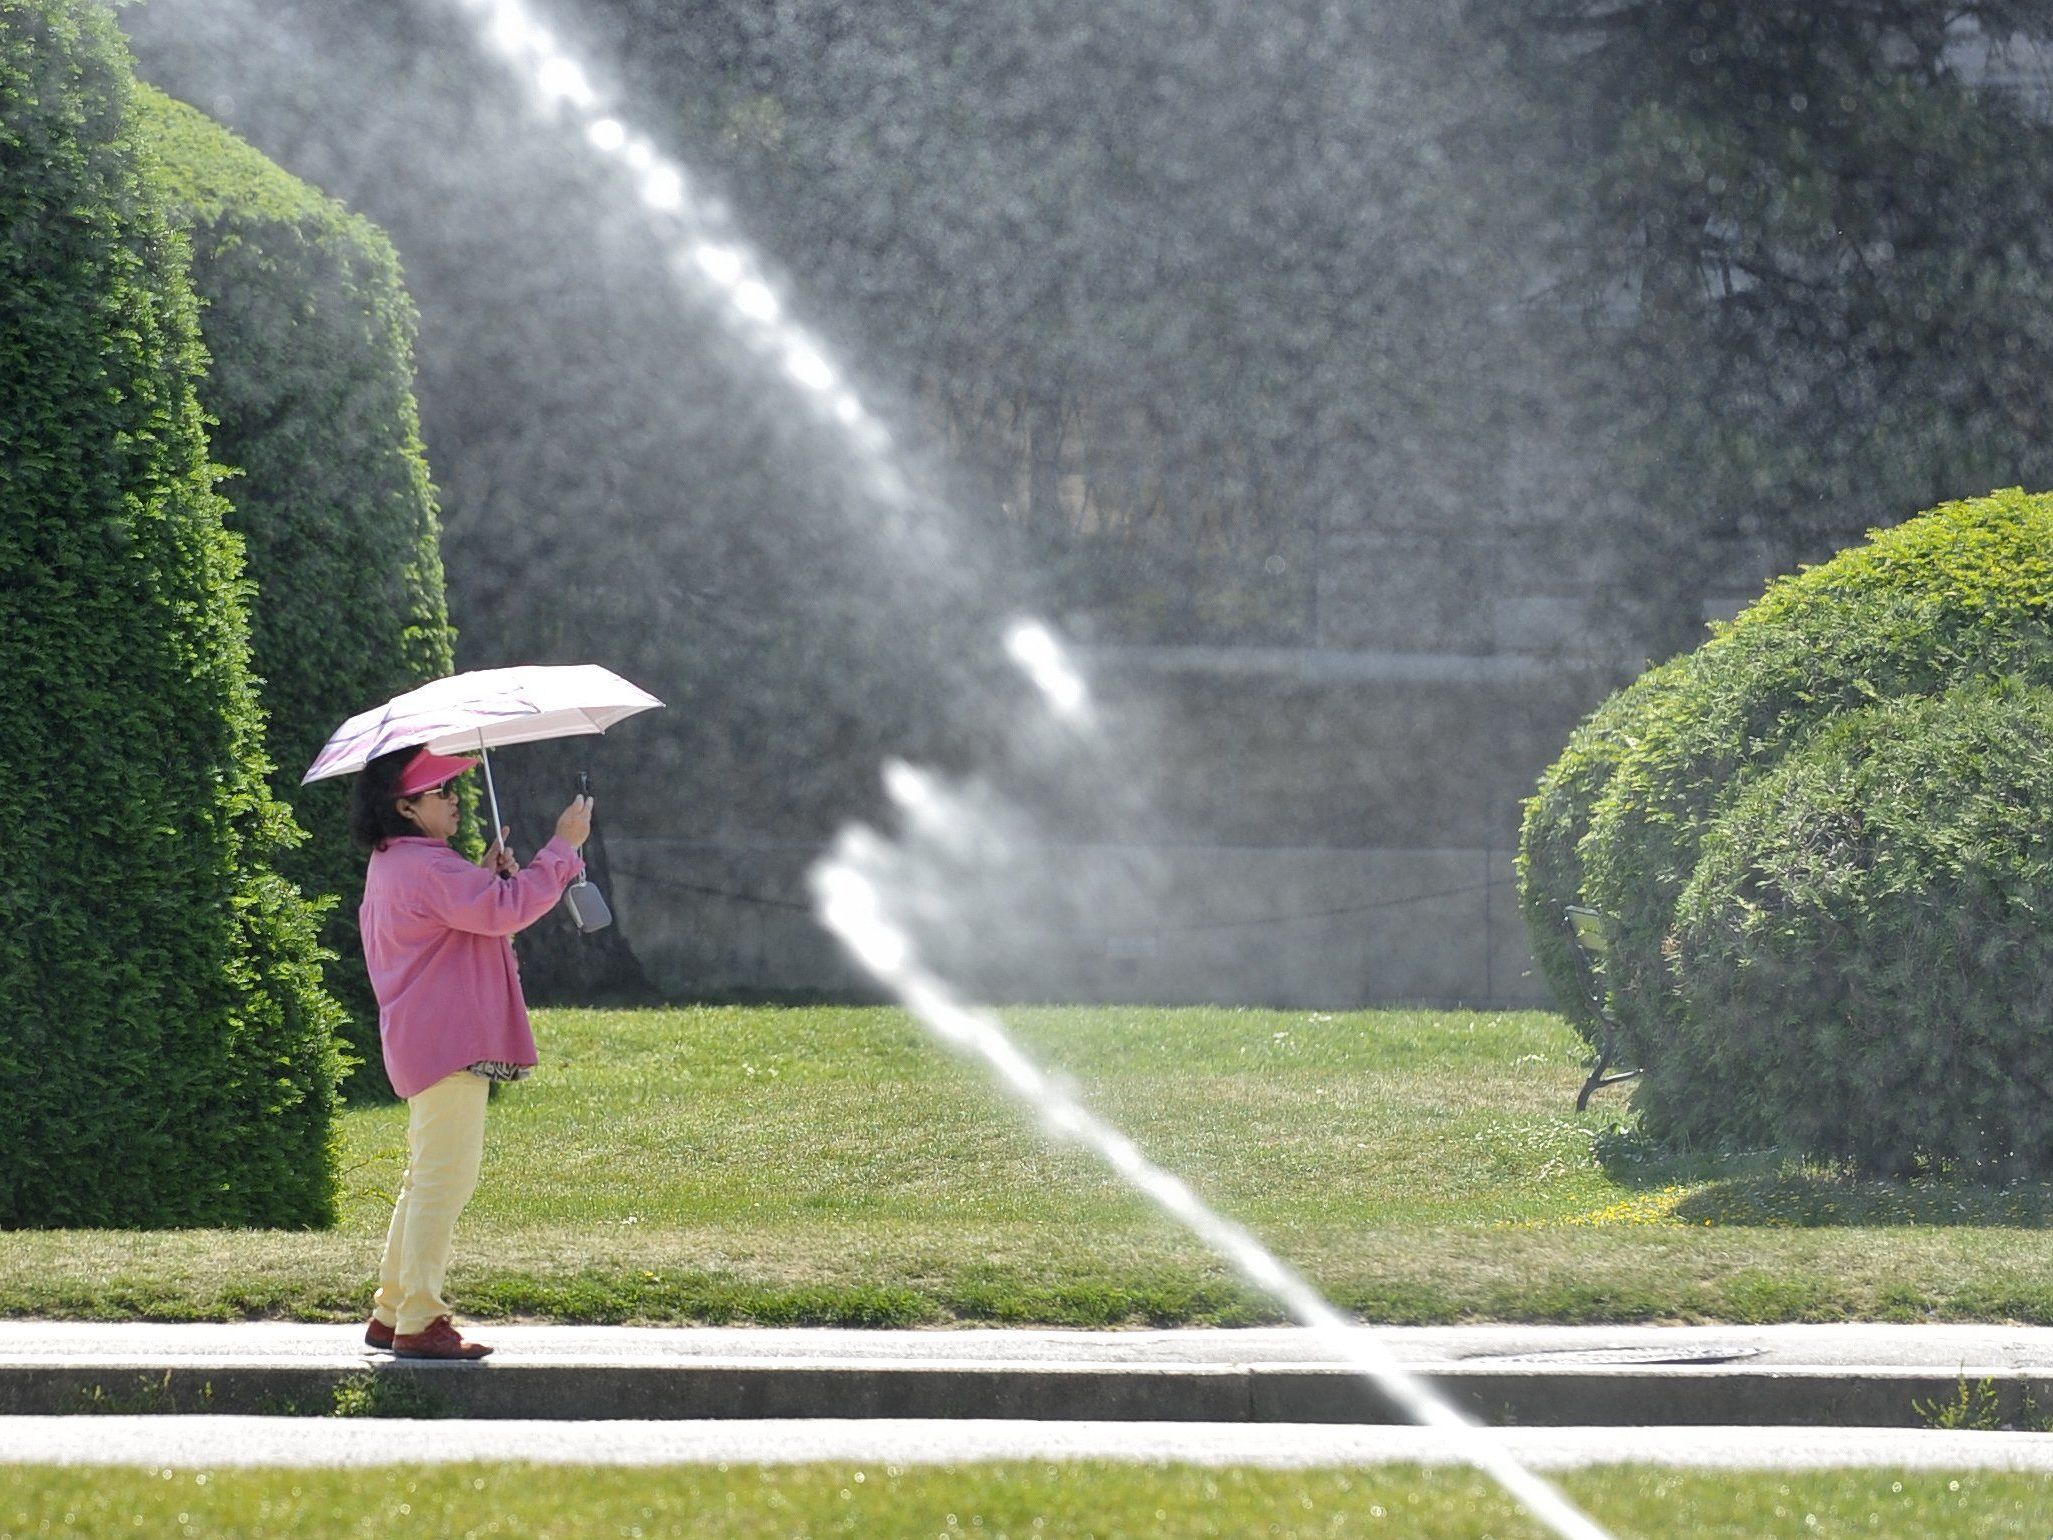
444, 790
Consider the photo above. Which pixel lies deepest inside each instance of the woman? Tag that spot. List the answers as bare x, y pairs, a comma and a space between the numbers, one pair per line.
450, 1014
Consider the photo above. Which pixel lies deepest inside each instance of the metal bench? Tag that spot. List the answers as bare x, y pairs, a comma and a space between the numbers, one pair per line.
1590, 932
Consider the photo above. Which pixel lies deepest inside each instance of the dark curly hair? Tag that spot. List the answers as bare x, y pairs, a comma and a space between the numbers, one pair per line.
372, 817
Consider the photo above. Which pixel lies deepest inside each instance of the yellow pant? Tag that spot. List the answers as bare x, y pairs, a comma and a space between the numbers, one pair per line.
445, 1143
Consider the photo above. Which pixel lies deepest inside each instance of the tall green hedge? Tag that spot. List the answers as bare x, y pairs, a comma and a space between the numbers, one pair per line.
310, 332
1863, 955
166, 1048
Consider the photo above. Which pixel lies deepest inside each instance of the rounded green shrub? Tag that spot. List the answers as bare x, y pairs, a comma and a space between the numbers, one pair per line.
1557, 820
310, 332
166, 1047
1863, 955
1963, 592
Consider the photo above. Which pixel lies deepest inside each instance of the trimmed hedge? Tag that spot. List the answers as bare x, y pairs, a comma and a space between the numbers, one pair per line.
311, 333
1960, 593
167, 1049
1557, 819
1863, 953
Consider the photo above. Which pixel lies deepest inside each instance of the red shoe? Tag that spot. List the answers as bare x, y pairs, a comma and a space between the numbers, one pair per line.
438, 1339
377, 1334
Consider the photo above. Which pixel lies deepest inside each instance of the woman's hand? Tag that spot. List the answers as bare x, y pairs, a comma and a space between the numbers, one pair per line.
574, 826
499, 859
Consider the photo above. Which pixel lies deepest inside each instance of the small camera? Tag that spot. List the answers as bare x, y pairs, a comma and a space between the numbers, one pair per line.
587, 907
585, 904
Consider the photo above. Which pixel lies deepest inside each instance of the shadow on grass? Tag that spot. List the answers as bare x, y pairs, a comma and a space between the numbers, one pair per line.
1769, 1188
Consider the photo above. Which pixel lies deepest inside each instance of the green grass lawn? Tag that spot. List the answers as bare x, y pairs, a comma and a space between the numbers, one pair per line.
997, 1502
830, 1165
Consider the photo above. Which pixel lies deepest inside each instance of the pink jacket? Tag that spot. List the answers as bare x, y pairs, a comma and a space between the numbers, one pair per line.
436, 932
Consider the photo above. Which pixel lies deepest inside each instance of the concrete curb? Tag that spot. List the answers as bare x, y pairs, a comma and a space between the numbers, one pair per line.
1696, 1395
1840, 1376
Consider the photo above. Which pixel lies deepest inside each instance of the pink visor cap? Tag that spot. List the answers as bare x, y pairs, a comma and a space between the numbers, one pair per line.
428, 769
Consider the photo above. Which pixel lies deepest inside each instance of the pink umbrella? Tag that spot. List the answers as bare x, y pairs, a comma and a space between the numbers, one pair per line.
485, 709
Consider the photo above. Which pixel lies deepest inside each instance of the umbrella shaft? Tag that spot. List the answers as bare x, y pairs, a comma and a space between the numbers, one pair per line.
491, 792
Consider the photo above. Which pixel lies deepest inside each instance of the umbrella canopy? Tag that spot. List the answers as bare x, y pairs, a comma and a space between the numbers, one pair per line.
485, 709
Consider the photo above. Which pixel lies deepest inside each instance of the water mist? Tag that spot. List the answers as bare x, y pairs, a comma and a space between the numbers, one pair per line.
850, 885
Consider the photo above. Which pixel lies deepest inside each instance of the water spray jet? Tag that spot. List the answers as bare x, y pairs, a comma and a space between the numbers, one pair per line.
852, 908
848, 902
1044, 661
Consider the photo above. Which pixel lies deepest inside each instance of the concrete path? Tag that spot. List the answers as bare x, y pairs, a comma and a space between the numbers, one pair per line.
1803, 1376
1951, 1349
215, 1442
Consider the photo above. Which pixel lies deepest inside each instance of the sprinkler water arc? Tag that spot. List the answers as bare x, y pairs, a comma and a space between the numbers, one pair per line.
707, 255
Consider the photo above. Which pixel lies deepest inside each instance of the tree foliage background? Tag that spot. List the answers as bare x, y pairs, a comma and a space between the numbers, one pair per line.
1149, 314
1294, 325
1799, 263
1170, 296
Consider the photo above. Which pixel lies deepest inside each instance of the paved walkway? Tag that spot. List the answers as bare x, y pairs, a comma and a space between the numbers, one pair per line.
1968, 1350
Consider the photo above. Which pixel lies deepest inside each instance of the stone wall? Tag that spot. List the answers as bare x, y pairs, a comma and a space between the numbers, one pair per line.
1332, 830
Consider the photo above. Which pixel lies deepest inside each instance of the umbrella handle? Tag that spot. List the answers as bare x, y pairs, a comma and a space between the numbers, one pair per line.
491, 791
